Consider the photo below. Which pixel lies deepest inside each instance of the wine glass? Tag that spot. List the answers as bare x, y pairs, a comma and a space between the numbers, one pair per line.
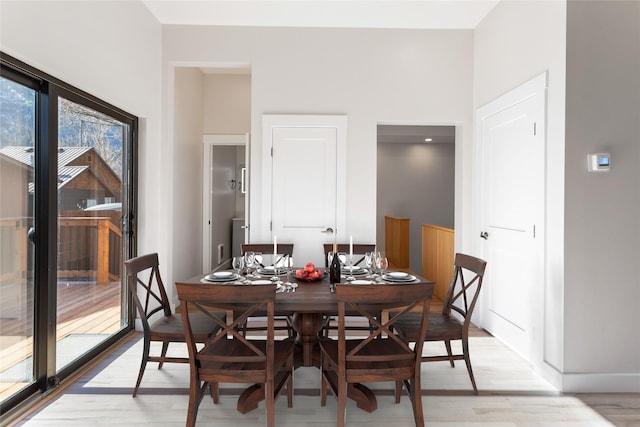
350, 277
249, 261
368, 261
382, 264
237, 263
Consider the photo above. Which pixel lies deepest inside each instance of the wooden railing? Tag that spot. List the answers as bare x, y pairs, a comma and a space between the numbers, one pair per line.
396, 237
437, 257
89, 247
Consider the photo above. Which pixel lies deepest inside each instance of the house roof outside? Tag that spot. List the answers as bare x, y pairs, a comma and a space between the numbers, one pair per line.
66, 155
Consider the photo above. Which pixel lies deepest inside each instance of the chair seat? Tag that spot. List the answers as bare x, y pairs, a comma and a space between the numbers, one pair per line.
235, 350
375, 370
169, 328
440, 327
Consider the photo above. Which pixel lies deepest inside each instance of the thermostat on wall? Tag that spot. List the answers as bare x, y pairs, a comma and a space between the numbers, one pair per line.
599, 162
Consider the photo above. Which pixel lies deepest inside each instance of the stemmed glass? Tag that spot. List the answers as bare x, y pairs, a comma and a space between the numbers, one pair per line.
350, 277
369, 262
382, 263
249, 261
238, 264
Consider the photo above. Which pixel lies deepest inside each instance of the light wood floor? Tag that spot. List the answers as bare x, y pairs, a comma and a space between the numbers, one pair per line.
511, 394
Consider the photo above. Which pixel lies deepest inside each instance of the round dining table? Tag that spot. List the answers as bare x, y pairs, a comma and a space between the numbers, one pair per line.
308, 304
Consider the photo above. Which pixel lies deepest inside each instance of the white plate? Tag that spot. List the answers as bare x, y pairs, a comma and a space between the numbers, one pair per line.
229, 278
407, 278
222, 274
355, 270
362, 282
397, 274
262, 282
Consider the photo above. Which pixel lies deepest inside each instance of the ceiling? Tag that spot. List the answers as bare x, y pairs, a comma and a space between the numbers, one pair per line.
416, 134
412, 14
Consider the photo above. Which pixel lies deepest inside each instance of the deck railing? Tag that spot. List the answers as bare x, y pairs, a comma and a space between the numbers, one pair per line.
88, 248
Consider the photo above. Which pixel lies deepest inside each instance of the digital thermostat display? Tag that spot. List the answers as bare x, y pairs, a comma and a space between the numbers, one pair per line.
599, 162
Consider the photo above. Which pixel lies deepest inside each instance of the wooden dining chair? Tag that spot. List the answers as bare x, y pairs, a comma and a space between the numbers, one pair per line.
229, 356
382, 355
445, 326
283, 323
359, 250
158, 322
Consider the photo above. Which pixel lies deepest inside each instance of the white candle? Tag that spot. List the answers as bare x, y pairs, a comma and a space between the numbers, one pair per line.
350, 246
275, 247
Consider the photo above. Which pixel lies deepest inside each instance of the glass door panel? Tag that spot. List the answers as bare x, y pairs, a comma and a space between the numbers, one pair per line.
17, 186
90, 241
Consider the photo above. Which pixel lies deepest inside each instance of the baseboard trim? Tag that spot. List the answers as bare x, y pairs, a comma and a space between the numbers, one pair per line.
601, 383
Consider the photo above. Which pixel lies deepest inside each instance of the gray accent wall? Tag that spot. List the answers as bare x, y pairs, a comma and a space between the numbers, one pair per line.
602, 210
415, 181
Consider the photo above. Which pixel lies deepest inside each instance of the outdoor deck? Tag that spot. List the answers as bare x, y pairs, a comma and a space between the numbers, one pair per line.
84, 308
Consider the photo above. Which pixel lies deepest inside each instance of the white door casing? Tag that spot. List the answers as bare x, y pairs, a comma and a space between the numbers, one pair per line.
209, 141
304, 184
510, 174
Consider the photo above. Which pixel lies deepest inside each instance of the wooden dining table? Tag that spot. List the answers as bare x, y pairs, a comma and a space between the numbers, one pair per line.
308, 305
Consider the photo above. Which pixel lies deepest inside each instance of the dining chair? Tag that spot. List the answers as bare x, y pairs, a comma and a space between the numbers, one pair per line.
359, 250
452, 323
283, 323
382, 355
158, 322
229, 356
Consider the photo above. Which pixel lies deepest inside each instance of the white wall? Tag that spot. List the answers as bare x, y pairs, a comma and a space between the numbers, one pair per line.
187, 171
602, 343
227, 104
514, 43
390, 76
112, 50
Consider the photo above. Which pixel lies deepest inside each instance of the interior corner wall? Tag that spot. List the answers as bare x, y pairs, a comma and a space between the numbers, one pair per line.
602, 344
187, 165
514, 43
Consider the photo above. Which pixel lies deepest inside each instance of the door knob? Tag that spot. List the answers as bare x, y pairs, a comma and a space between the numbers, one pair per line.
484, 235
329, 230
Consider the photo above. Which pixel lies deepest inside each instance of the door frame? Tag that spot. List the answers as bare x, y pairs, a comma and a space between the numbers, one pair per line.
535, 87
271, 121
208, 142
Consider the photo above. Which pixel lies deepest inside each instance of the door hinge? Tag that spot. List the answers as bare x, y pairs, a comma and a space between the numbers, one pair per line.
534, 128
534, 231
270, 225
271, 151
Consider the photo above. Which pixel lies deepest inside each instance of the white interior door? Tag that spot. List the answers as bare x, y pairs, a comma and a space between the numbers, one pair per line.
512, 174
307, 183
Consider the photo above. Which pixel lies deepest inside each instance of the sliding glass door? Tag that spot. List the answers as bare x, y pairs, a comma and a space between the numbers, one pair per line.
67, 199
17, 186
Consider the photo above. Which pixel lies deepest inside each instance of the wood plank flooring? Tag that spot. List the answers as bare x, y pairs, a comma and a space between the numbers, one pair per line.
511, 395
83, 308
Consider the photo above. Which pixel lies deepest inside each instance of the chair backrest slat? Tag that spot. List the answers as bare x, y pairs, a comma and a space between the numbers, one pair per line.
465, 286
366, 300
143, 273
359, 249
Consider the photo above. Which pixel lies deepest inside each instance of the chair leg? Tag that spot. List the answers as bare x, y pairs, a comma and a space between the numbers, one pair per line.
215, 392
323, 386
290, 382
342, 403
467, 360
143, 365
163, 353
415, 393
447, 344
398, 391
269, 403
